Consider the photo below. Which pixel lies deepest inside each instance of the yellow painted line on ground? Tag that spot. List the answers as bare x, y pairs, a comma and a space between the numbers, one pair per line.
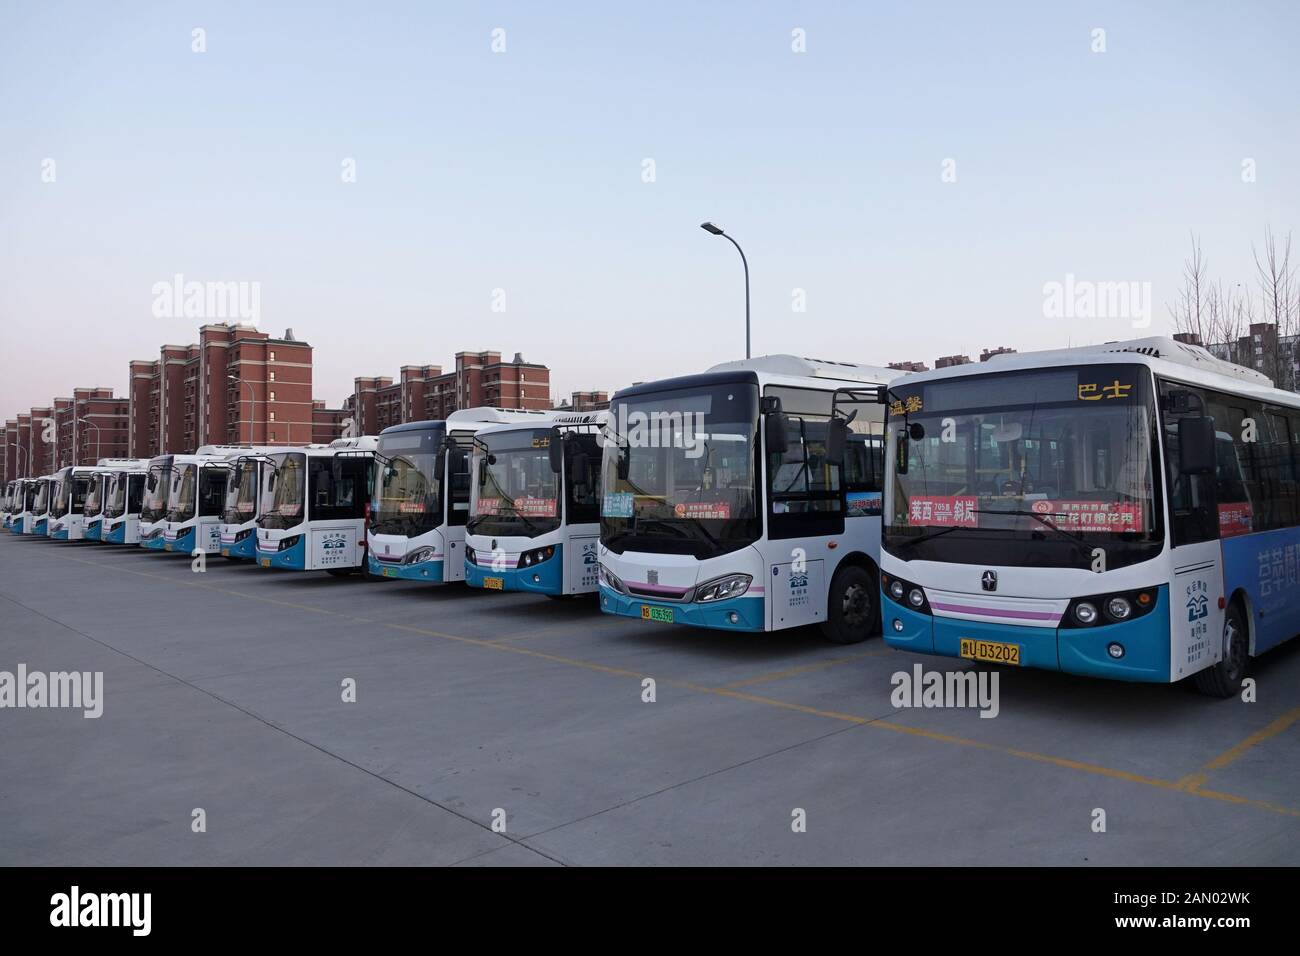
856, 719
1193, 781
804, 669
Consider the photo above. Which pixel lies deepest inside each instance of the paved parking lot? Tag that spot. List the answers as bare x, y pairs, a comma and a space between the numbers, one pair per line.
222, 691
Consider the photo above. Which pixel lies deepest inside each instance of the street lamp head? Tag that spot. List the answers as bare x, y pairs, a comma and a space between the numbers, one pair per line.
711, 228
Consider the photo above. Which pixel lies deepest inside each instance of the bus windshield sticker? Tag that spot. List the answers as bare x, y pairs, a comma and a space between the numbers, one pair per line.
862, 503
943, 511
703, 509
1093, 515
618, 504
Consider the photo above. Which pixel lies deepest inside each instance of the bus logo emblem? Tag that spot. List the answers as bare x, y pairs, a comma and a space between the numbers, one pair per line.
652, 576
989, 580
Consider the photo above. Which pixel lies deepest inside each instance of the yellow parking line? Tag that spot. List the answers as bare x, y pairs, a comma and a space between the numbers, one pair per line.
805, 669
1193, 781
1177, 786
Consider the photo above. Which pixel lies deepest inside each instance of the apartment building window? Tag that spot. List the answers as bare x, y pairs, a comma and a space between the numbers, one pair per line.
273, 416
273, 374
272, 355
272, 395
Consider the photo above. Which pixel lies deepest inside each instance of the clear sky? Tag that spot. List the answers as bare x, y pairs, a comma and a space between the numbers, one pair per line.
525, 171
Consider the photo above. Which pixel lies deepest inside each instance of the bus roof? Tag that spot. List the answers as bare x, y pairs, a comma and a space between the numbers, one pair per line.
552, 419
1172, 359
774, 370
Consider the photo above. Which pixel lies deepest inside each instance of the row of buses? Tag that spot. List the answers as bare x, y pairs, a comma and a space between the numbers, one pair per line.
1129, 510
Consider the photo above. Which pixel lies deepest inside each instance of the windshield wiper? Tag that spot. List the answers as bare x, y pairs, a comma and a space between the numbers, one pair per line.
930, 536
1042, 518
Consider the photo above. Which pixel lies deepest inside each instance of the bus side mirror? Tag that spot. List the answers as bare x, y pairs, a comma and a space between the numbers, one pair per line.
556, 451
774, 425
622, 463
837, 436
1196, 445
581, 469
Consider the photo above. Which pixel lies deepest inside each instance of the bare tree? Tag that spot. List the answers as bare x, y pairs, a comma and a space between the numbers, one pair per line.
1189, 312
1279, 307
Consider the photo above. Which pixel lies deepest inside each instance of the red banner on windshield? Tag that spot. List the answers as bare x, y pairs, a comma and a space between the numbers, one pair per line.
1092, 515
942, 511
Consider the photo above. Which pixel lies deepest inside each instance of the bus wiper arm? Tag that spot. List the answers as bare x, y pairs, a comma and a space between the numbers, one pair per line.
1042, 519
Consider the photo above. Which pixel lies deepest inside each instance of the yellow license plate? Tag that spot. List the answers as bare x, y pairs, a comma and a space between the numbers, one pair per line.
167, 547
652, 613
225, 552
266, 562
993, 651
390, 572
496, 584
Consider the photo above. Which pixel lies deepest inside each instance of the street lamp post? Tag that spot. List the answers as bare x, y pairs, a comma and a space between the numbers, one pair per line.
252, 407
98, 449
718, 231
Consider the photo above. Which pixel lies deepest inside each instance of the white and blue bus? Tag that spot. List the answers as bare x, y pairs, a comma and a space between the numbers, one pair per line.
124, 489
420, 501
12, 490
727, 504
67, 520
36, 519
197, 498
245, 503
1128, 511
534, 520
315, 517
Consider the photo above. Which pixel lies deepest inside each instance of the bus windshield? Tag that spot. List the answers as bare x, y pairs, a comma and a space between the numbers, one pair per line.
1024, 468
678, 475
157, 487
288, 489
61, 497
407, 498
518, 493
241, 493
94, 494
115, 496
180, 503
40, 503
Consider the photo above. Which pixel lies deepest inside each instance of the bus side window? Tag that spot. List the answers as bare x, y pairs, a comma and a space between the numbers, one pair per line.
458, 504
1193, 505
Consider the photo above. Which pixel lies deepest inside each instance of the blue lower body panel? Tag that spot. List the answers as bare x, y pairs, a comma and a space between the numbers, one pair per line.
93, 529
245, 549
430, 572
184, 543
292, 559
1074, 650
59, 534
116, 533
749, 611
544, 578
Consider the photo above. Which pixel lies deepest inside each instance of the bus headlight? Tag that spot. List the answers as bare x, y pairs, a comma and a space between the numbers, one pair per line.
289, 542
470, 555
419, 554
536, 556
610, 579
719, 589
896, 590
1119, 608
906, 593
1113, 608
916, 597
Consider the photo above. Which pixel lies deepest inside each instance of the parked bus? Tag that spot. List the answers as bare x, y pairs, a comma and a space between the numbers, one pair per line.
196, 500
534, 520
11, 496
245, 503
38, 522
124, 491
67, 501
94, 507
158, 489
1128, 511
316, 512
420, 501
726, 505
24, 506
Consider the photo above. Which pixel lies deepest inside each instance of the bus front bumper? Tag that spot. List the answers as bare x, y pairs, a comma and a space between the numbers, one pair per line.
1072, 650
116, 533
430, 572
544, 578
744, 613
93, 529
153, 544
244, 549
292, 558
183, 543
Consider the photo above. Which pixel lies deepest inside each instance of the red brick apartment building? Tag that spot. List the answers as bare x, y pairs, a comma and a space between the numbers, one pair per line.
236, 386
89, 426
426, 393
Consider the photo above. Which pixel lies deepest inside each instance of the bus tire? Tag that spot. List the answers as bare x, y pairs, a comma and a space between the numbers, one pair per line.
1224, 678
852, 606
340, 572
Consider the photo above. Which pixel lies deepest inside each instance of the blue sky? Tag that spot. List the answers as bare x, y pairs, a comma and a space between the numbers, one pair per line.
523, 171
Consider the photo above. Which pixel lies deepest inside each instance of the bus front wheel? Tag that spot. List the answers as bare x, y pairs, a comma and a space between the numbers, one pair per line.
852, 607
1224, 678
